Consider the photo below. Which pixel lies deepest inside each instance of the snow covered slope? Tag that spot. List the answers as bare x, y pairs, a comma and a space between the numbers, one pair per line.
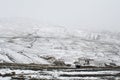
27, 41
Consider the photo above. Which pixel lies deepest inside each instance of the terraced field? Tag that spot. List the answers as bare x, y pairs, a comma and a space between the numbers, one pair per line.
49, 72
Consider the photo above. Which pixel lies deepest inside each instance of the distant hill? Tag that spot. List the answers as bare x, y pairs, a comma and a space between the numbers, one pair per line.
28, 41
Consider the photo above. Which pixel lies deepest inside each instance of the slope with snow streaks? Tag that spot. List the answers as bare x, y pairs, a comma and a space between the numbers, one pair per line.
25, 42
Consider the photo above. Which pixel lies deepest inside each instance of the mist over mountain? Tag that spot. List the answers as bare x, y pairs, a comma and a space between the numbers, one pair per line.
28, 41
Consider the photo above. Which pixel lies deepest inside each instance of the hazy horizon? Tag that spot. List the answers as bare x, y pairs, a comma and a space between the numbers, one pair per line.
86, 14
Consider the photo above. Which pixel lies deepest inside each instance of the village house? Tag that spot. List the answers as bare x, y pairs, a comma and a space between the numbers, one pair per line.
84, 62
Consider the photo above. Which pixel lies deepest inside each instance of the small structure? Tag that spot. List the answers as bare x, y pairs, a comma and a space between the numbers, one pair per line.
84, 62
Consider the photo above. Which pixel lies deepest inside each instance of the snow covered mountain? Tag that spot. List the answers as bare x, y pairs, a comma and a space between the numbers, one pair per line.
27, 41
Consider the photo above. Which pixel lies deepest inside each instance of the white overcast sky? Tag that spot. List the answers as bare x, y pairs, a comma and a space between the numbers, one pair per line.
90, 14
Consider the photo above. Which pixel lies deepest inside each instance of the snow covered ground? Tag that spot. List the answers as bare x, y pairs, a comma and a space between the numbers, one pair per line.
55, 74
26, 41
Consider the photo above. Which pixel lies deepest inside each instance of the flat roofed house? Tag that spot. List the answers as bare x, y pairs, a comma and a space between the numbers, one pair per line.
84, 62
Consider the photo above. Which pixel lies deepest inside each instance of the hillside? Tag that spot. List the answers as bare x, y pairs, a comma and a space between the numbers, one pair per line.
27, 41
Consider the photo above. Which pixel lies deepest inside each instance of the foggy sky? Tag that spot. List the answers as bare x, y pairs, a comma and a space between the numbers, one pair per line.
90, 14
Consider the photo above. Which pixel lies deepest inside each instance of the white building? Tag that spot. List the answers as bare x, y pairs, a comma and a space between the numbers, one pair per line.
85, 62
